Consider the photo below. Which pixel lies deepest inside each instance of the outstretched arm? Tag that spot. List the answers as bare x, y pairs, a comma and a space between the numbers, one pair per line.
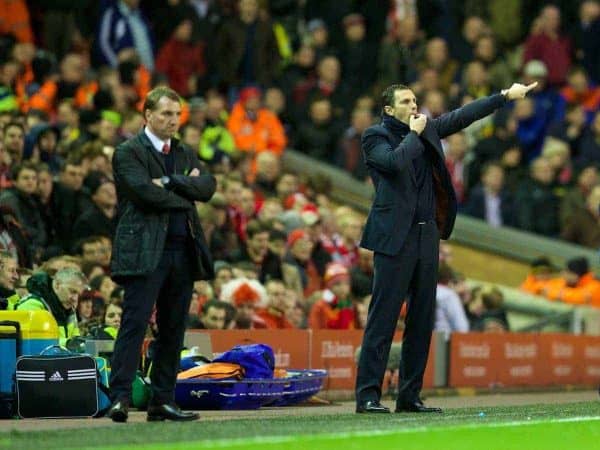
460, 118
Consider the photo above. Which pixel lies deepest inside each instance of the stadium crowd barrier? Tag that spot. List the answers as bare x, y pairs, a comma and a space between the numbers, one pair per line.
465, 360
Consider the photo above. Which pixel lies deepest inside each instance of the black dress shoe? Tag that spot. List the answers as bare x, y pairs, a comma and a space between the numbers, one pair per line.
416, 407
372, 406
119, 411
169, 412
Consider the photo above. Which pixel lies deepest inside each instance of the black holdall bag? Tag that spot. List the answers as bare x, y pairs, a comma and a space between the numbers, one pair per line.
56, 385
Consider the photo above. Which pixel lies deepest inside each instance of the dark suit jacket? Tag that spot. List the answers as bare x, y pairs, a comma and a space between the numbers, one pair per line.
389, 160
143, 208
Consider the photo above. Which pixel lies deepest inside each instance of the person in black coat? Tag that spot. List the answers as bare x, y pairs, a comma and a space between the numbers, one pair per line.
159, 250
490, 200
98, 219
414, 207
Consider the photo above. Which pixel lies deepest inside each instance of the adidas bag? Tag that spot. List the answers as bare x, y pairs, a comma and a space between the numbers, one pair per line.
50, 386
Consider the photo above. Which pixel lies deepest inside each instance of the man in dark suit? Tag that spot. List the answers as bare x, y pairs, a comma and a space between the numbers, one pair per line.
414, 207
159, 250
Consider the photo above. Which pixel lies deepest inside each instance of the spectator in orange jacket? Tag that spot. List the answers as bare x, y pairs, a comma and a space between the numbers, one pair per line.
255, 129
577, 286
14, 19
540, 273
335, 309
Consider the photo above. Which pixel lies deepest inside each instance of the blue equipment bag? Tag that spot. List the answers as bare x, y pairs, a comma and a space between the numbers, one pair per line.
10, 350
258, 360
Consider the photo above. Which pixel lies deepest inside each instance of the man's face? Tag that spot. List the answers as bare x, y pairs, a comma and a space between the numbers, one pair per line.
214, 318
248, 7
233, 193
268, 167
14, 142
68, 292
8, 273
259, 243
493, 179
72, 177
47, 142
191, 137
405, 105
107, 132
221, 277
247, 202
277, 296
302, 249
106, 287
26, 181
106, 195
287, 184
105, 251
163, 120
352, 229
320, 112
93, 252
542, 171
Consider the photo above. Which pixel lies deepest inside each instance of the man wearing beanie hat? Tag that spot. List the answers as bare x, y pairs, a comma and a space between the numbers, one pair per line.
335, 309
414, 207
577, 285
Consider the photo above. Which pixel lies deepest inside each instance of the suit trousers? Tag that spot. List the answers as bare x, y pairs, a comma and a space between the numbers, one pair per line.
410, 274
170, 287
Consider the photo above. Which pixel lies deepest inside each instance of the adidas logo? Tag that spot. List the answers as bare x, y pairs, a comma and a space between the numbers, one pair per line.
55, 377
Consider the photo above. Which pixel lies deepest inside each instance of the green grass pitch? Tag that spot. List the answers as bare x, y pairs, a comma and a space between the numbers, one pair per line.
548, 427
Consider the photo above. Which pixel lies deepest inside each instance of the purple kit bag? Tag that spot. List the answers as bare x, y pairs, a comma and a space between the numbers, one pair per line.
257, 359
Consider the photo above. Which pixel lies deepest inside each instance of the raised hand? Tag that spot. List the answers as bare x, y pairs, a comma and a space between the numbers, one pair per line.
417, 123
518, 90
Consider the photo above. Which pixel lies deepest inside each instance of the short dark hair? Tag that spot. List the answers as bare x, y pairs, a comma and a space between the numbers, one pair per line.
12, 124
25, 165
489, 165
387, 96
218, 304
255, 227
156, 94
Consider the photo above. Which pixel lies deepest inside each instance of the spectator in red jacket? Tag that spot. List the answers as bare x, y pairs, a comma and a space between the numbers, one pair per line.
335, 309
182, 60
549, 45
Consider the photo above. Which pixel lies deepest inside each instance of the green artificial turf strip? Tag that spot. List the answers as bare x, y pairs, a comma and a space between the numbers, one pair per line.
547, 435
308, 424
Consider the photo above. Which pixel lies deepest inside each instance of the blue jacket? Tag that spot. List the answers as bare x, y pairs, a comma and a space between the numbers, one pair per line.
389, 160
114, 34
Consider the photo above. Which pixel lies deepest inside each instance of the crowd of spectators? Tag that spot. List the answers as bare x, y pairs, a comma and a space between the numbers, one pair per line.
257, 77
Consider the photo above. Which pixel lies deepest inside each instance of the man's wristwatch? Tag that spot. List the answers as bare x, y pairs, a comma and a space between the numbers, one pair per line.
165, 180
